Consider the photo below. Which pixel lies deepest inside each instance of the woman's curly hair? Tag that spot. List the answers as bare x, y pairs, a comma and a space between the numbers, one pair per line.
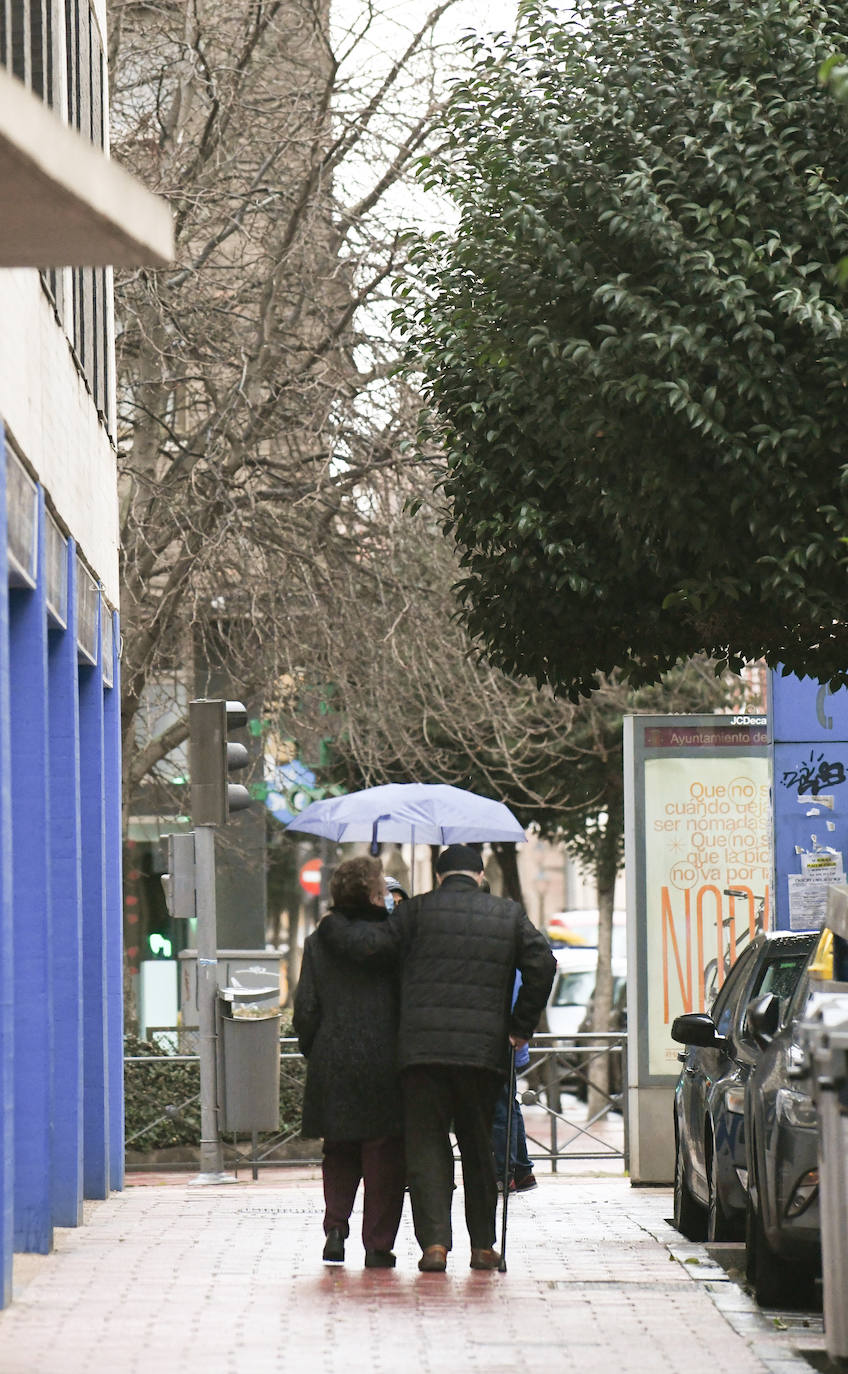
354, 881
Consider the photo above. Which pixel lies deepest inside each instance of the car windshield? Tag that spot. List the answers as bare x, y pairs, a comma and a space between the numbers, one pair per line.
574, 989
803, 988
780, 976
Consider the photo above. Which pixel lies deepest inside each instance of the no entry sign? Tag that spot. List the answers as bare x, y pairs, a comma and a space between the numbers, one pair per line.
310, 877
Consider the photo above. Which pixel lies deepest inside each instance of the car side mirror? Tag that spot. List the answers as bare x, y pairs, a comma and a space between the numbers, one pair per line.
763, 1018
697, 1028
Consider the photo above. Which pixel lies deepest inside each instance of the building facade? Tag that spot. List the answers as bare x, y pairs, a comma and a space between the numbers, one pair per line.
67, 214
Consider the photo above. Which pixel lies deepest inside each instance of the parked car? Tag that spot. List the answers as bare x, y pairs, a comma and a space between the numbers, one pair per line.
783, 1225
573, 985
710, 1182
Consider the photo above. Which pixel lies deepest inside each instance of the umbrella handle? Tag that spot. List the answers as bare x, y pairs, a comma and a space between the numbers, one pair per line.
375, 847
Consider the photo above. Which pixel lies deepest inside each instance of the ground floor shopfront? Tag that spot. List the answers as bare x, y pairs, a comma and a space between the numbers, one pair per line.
61, 1091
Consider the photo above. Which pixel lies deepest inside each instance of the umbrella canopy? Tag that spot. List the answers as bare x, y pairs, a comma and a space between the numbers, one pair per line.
410, 813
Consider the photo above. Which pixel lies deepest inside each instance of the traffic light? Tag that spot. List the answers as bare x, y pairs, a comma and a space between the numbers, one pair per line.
178, 883
212, 757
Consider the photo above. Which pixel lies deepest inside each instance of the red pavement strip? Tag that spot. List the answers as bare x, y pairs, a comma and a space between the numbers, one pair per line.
167, 1278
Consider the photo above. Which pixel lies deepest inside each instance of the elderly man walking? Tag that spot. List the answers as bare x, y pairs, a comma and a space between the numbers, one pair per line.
459, 949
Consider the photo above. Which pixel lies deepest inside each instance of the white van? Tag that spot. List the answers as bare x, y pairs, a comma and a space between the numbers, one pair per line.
573, 985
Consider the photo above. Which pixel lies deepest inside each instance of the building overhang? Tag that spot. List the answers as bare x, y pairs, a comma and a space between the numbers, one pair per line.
63, 203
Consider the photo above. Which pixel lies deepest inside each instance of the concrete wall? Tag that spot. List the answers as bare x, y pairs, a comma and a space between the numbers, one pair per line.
48, 414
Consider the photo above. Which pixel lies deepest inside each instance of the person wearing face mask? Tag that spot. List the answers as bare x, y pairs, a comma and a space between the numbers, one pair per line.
458, 949
346, 1021
395, 894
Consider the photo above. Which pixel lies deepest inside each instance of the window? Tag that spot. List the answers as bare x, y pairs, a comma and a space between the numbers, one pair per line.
780, 976
22, 518
29, 33
107, 636
87, 597
734, 986
574, 989
56, 564
26, 43
86, 113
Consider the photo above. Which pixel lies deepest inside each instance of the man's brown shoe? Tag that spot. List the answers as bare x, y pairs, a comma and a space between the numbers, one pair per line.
485, 1259
434, 1259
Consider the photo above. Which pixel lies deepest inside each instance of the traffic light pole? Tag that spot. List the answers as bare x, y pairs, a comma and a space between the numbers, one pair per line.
211, 1151
212, 757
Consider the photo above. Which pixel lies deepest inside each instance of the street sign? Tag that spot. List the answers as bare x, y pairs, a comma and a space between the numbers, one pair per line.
310, 877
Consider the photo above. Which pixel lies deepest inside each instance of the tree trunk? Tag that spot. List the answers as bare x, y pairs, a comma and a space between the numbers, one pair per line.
435, 851
293, 954
606, 872
507, 858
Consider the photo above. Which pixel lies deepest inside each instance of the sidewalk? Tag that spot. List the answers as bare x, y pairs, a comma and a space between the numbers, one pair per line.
167, 1278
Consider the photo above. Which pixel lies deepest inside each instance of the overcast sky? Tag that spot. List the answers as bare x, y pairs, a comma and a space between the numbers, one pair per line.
394, 19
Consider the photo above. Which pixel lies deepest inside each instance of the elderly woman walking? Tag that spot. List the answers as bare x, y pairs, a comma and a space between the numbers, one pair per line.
345, 1019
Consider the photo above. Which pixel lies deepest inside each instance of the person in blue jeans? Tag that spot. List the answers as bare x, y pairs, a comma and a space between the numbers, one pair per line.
521, 1175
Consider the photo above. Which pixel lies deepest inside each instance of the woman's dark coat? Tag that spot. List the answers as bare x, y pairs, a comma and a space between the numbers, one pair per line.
346, 1021
459, 949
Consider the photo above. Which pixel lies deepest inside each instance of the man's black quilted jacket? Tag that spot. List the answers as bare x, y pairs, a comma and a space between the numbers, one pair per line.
459, 950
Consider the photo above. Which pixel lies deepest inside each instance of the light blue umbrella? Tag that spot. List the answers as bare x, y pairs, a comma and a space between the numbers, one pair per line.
410, 813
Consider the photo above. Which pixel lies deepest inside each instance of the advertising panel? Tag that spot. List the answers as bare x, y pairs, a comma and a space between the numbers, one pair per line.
698, 865
698, 855
707, 865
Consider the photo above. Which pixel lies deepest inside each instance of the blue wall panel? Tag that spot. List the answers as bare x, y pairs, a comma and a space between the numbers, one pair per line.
7, 1148
31, 887
95, 1041
809, 727
66, 896
114, 914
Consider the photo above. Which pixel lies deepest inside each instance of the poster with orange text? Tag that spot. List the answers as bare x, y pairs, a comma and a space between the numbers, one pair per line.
707, 874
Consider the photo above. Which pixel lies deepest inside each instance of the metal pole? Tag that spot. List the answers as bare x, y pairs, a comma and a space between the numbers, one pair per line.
825, 1036
625, 1104
211, 1150
833, 1167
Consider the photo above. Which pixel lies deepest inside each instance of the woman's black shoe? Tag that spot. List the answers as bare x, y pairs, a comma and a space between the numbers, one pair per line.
334, 1248
379, 1259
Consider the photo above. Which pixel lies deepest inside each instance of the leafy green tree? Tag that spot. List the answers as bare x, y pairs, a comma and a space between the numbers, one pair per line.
635, 345
413, 701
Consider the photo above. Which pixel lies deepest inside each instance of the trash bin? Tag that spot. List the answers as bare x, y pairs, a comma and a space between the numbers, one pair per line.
249, 1062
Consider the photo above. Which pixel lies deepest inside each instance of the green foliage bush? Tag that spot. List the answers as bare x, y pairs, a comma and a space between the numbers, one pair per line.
151, 1089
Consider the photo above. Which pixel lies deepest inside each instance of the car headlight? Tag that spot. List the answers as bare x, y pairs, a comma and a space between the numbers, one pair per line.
734, 1098
796, 1109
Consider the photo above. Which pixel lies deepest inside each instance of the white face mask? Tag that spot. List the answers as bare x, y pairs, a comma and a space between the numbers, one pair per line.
389, 901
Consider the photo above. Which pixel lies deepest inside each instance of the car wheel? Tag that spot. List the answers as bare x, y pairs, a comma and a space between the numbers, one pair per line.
719, 1225
690, 1217
775, 1282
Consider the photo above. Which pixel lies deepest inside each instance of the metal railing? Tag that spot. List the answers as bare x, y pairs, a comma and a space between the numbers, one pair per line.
579, 1082
572, 1092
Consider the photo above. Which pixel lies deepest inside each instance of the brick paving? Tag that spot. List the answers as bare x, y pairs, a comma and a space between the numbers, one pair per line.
167, 1278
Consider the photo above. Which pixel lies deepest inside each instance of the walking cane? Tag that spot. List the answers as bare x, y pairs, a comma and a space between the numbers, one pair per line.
507, 1155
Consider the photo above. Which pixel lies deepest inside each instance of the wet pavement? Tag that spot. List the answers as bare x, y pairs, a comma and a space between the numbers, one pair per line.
170, 1278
